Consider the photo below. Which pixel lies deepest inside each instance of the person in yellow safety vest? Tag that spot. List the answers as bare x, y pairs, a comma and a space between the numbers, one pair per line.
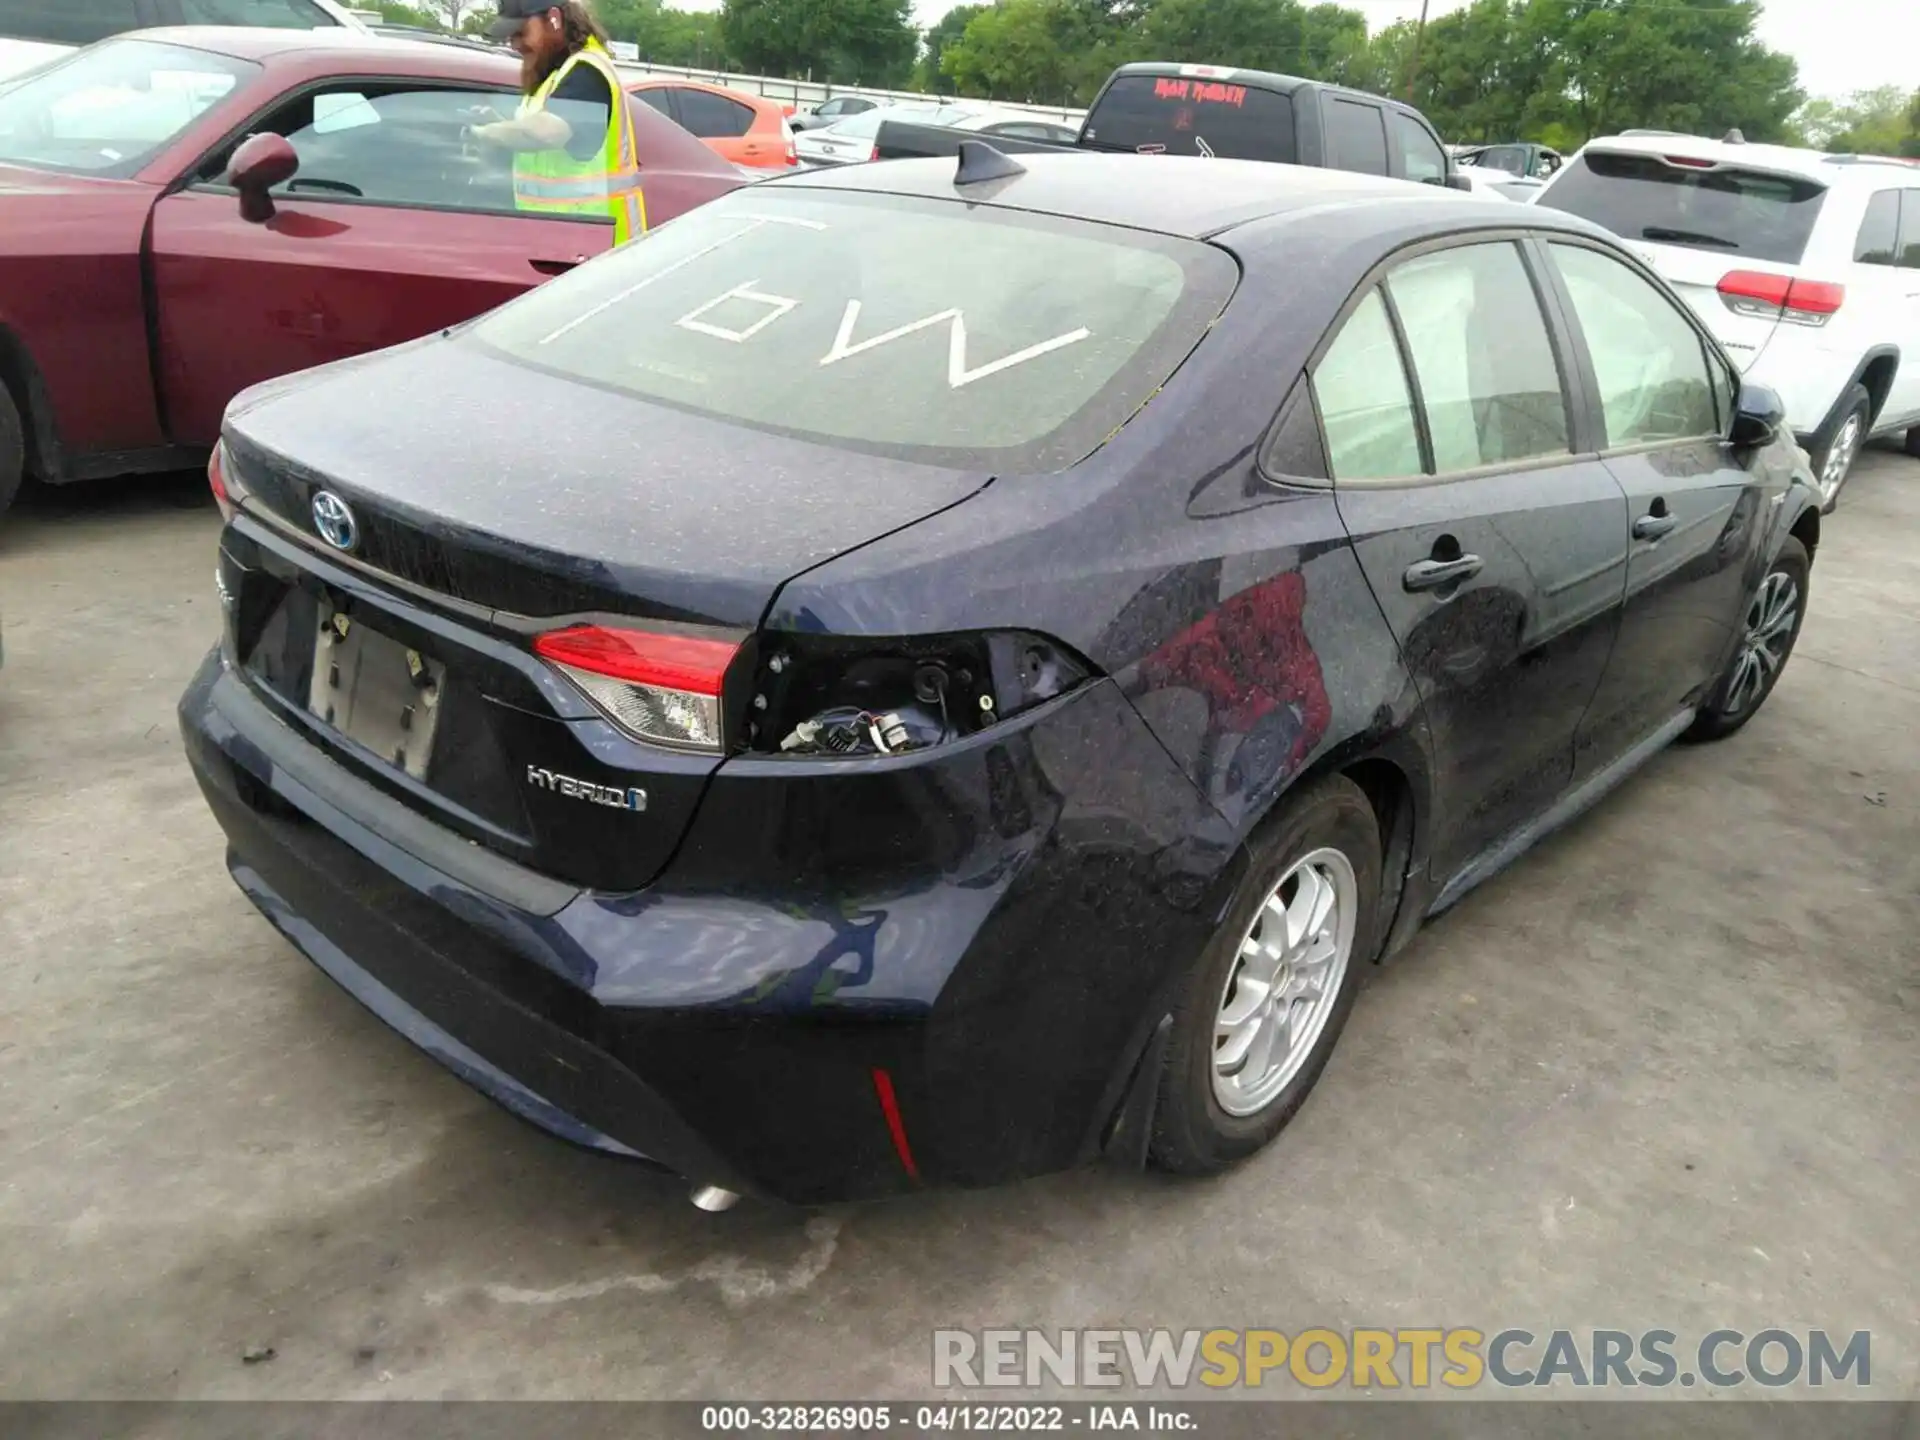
573, 143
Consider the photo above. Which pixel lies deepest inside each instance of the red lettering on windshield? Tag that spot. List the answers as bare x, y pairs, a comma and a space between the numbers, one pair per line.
1170, 89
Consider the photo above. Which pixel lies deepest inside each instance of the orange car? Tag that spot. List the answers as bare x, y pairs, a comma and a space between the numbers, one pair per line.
749, 130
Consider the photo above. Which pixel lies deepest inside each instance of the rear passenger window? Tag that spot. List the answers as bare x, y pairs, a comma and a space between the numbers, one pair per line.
713, 116
1356, 137
1647, 358
659, 98
1365, 406
1480, 350
1880, 231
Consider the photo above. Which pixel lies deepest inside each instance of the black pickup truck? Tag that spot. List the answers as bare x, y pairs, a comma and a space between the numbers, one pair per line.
1210, 110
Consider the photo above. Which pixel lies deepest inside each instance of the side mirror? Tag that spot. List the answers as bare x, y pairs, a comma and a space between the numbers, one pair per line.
1757, 416
1457, 181
261, 162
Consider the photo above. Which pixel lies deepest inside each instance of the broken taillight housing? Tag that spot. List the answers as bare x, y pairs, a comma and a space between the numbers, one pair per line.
666, 689
819, 695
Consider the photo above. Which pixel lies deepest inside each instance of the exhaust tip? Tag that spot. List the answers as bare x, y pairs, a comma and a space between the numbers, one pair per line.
713, 1200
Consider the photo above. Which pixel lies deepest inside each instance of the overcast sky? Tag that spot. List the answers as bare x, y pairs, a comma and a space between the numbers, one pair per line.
1842, 45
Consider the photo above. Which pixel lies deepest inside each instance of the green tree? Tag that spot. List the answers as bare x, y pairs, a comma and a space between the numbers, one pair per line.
870, 42
1867, 122
947, 30
1047, 51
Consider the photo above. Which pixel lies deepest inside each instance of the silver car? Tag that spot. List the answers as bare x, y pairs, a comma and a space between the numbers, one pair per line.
850, 141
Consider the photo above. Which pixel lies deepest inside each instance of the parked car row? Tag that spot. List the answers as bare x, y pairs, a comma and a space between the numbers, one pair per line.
854, 139
123, 211
33, 32
1805, 266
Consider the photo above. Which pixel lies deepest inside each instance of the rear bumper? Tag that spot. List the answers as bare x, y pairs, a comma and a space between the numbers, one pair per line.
730, 1021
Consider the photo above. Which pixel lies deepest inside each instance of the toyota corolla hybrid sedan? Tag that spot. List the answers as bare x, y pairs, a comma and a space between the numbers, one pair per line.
831, 723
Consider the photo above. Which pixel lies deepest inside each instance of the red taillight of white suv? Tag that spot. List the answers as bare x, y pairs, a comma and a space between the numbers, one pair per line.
1780, 297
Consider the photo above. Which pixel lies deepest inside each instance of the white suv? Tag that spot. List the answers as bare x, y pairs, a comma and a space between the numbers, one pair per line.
1805, 265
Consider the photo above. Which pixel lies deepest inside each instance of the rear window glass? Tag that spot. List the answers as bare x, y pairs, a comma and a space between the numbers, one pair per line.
67, 22
1729, 210
1182, 115
816, 315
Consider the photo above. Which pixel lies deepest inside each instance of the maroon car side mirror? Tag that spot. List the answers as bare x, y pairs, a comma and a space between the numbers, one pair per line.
261, 162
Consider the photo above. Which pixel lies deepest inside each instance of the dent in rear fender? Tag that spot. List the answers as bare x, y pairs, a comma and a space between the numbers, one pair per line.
1270, 661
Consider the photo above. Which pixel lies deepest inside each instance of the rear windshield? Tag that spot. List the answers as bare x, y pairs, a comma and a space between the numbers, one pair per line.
1729, 210
818, 315
1181, 115
81, 22
110, 108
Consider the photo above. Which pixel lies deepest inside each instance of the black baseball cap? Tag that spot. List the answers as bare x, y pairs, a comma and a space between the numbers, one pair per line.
515, 13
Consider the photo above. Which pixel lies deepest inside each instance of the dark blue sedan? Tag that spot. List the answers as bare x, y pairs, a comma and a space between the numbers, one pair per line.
925, 675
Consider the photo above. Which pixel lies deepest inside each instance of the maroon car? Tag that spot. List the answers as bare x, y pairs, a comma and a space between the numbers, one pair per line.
145, 279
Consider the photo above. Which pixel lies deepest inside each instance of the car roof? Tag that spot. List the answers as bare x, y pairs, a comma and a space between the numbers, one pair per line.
1176, 195
268, 46
660, 82
1781, 159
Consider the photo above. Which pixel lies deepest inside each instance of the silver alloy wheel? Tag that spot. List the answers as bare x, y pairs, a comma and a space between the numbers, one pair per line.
1284, 982
1763, 649
1840, 458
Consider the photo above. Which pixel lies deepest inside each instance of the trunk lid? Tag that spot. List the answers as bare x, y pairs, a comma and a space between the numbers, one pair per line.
511, 503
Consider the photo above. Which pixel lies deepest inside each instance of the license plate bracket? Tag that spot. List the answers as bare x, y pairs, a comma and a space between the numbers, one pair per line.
377, 692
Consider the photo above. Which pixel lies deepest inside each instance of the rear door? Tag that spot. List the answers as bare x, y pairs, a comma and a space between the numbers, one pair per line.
394, 227
1697, 508
1493, 539
1708, 227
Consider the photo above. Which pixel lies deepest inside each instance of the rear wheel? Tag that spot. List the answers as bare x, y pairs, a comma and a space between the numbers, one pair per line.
1266, 1004
13, 450
1772, 625
1833, 461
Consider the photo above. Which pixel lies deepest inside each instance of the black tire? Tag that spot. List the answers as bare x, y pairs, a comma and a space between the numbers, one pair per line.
1856, 409
1913, 441
1192, 1133
13, 449
1726, 711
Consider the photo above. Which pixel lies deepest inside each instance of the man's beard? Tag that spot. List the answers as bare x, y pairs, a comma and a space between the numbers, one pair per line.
537, 69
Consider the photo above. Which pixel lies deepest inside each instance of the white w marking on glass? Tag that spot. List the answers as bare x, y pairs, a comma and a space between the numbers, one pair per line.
957, 372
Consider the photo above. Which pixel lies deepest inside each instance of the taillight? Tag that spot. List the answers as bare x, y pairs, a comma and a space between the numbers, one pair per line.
228, 492
827, 696
875, 155
1780, 297
661, 688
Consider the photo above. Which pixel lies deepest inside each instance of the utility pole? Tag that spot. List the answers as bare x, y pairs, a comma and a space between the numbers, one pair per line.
1413, 70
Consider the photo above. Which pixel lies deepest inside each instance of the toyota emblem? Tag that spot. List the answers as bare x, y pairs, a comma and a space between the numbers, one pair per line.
334, 521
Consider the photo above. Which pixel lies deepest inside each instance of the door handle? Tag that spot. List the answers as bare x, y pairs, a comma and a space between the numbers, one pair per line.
1437, 574
555, 267
1653, 525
